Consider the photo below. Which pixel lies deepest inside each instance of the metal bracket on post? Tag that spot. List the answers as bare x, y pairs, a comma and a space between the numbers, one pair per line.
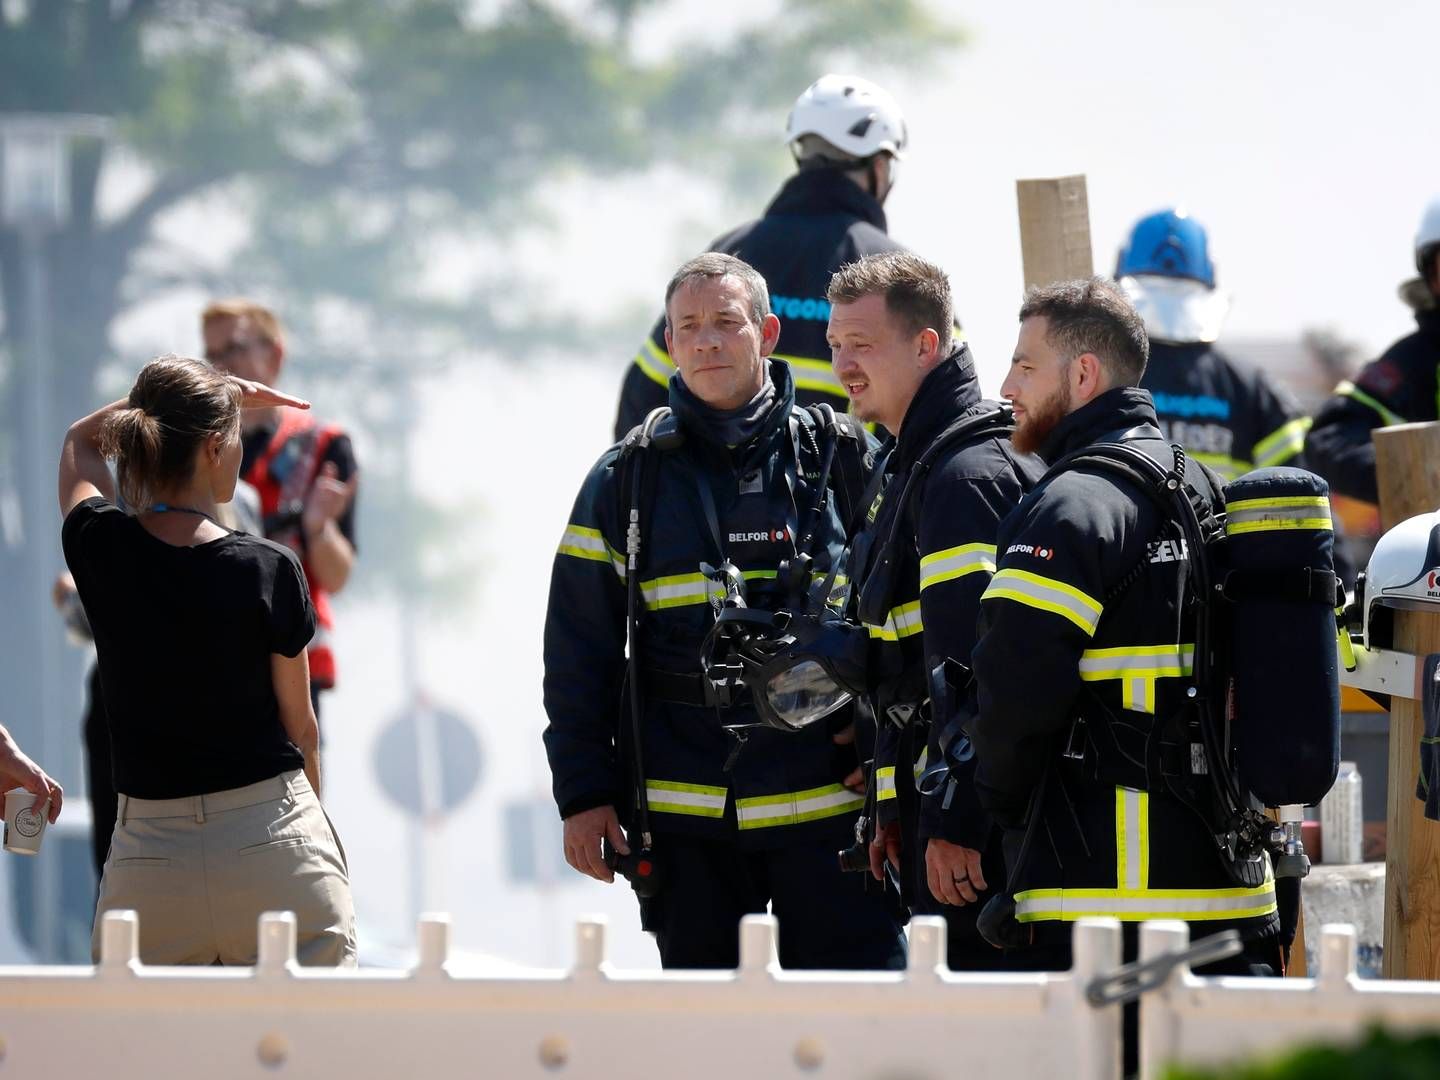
1127, 983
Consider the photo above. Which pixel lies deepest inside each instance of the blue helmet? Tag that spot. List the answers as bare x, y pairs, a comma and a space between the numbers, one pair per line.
1168, 243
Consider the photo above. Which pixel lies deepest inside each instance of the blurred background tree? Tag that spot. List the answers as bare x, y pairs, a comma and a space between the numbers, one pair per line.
351, 141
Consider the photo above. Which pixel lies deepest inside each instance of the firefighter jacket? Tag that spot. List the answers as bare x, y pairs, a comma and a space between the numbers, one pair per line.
1403, 386
1084, 620
783, 787
819, 221
1229, 417
941, 555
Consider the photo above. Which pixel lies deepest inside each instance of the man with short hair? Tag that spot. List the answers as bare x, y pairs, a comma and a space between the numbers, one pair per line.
919, 566
846, 135
1402, 386
1085, 649
305, 471
728, 503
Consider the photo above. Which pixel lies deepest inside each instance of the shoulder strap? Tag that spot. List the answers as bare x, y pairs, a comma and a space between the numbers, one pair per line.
997, 421
853, 463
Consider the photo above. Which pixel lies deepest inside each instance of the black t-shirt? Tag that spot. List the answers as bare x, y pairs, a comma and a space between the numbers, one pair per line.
339, 452
184, 637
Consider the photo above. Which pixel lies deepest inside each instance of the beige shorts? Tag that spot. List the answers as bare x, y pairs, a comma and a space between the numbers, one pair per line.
201, 870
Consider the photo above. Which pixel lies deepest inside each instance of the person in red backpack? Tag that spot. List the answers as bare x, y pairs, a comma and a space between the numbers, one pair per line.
303, 468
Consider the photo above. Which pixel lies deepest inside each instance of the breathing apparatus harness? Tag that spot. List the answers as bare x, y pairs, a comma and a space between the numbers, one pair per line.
748, 632
1193, 755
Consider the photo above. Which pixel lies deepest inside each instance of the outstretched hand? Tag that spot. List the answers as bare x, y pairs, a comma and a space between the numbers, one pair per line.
259, 396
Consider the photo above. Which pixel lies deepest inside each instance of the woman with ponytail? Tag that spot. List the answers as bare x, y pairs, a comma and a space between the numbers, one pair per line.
200, 634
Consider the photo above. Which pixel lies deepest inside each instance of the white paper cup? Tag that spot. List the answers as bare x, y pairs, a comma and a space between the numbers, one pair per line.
24, 822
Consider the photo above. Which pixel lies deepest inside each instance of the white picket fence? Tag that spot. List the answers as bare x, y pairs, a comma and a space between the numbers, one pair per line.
123, 1020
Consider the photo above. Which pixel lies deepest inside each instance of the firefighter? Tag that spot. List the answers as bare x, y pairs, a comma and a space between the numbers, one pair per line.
921, 563
847, 136
1231, 417
1080, 670
1402, 386
729, 506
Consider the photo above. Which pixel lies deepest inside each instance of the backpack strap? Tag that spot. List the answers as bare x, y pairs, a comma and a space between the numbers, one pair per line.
854, 465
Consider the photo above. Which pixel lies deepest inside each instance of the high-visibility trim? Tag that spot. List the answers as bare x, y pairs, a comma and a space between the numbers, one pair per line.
902, 622
792, 808
582, 542
1354, 393
655, 362
956, 562
1046, 594
695, 800
1227, 467
1281, 444
1191, 905
682, 590
1277, 514
1132, 839
921, 760
812, 374
884, 783
1137, 666
1343, 645
1132, 900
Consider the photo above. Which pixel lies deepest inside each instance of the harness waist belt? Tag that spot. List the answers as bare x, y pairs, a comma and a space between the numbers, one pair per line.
678, 688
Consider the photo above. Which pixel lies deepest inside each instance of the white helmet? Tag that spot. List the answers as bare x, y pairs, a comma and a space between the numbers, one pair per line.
852, 114
1404, 569
1428, 235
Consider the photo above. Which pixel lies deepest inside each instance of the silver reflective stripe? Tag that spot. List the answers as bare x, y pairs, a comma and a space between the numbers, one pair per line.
697, 800
1140, 661
885, 783
1190, 904
795, 807
942, 566
1131, 855
1262, 515
1046, 594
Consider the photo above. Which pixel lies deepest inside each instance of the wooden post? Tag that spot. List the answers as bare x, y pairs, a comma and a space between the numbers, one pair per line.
1407, 471
1054, 229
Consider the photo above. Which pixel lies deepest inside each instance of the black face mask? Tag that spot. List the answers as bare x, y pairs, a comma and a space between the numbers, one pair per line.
797, 668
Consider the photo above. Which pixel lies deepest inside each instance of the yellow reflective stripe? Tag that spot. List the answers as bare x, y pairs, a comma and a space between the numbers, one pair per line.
812, 374
902, 622
1227, 467
1281, 444
695, 800
1191, 905
681, 590
655, 362
1354, 393
1046, 594
1275, 514
956, 562
792, 808
1137, 666
1343, 644
921, 760
884, 783
582, 542
1132, 839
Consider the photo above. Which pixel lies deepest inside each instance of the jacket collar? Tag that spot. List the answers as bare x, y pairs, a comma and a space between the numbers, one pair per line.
826, 191
699, 419
949, 390
1429, 321
1110, 414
